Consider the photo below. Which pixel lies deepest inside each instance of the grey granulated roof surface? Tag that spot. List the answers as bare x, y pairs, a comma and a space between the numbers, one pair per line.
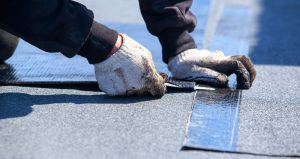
71, 122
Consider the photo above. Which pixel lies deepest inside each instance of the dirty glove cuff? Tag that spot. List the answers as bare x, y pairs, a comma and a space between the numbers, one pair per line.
175, 41
188, 56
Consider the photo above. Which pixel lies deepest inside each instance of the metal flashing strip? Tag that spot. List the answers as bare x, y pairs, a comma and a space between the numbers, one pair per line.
214, 121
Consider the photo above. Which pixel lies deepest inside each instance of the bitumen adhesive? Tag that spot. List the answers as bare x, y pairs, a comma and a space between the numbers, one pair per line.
214, 121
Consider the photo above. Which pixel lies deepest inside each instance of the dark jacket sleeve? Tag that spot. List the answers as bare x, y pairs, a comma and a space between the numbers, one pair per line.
171, 21
55, 26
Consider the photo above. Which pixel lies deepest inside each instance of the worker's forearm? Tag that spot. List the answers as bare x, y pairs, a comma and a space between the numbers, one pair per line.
99, 43
171, 21
58, 26
53, 26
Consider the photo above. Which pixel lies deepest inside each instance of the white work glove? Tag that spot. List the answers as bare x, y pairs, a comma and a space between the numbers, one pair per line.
129, 71
212, 68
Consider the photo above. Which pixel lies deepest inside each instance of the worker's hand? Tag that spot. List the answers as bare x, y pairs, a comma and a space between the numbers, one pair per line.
129, 71
212, 68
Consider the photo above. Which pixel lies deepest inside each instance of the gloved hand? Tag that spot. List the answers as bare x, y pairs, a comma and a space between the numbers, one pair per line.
129, 71
212, 68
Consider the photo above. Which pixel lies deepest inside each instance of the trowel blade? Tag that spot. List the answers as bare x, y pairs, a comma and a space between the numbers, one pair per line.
188, 85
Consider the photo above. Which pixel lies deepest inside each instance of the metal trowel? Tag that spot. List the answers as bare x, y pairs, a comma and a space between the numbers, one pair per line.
186, 85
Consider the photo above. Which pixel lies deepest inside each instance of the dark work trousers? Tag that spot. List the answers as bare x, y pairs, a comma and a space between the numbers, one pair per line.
68, 27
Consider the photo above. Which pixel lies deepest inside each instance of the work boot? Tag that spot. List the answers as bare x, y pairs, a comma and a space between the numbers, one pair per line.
8, 44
